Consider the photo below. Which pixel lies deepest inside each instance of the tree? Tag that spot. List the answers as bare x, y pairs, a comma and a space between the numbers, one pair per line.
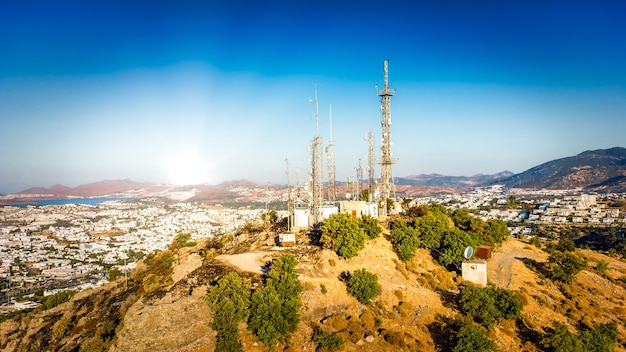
275, 308
453, 243
229, 300
565, 266
369, 224
404, 239
560, 339
181, 240
487, 305
495, 232
467, 222
469, 337
431, 229
342, 233
601, 338
363, 285
602, 266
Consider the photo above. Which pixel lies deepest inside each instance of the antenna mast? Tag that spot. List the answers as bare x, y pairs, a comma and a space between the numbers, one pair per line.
330, 158
371, 160
317, 179
359, 182
386, 159
288, 195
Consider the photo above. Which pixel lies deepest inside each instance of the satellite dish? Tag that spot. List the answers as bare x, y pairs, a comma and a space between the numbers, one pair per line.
468, 252
348, 195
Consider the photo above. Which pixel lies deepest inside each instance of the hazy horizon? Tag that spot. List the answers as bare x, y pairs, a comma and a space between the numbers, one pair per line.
194, 92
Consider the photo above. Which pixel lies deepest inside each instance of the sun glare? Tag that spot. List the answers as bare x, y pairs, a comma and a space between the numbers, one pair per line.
188, 169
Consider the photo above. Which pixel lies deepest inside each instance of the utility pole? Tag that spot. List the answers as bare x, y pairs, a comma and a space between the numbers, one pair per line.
386, 160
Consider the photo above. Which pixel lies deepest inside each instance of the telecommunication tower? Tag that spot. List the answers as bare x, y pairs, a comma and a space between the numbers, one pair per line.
317, 179
330, 159
386, 160
359, 182
371, 160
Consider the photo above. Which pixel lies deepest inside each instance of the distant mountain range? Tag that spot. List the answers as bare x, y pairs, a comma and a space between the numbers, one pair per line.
602, 170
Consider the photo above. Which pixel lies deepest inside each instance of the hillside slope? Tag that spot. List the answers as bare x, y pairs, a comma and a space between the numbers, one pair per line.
409, 314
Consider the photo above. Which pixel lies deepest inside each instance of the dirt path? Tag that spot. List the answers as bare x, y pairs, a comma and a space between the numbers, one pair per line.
506, 263
251, 262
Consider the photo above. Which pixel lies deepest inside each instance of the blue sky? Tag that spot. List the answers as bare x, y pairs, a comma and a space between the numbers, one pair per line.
194, 92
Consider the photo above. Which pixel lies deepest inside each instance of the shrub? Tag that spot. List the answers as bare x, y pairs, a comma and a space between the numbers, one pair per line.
363, 285
495, 232
469, 337
487, 305
404, 239
601, 338
331, 342
431, 228
229, 300
275, 308
342, 234
565, 266
369, 224
453, 243
602, 266
559, 339
181, 240
56, 299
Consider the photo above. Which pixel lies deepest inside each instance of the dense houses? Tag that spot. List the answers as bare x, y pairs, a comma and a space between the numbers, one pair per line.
41, 246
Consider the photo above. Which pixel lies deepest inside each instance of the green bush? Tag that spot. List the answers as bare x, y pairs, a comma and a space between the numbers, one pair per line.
466, 336
229, 301
181, 240
431, 228
487, 305
56, 299
369, 224
565, 266
560, 339
342, 233
331, 342
363, 285
453, 243
404, 239
601, 338
275, 308
495, 232
602, 266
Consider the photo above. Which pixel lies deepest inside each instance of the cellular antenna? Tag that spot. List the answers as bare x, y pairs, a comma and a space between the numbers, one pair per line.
330, 160
386, 160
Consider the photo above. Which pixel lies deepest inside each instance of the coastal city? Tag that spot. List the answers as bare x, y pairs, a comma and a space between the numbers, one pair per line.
76, 246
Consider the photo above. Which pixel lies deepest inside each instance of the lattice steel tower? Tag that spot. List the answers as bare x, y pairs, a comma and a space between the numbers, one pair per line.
371, 160
359, 182
386, 160
317, 178
330, 160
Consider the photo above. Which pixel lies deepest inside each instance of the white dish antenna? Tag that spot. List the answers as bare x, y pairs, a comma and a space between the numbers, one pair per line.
468, 252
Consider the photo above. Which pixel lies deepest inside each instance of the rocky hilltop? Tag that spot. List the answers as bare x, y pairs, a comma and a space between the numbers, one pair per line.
163, 307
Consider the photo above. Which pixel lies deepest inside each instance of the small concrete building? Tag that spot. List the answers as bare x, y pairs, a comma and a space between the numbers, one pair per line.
287, 239
475, 270
359, 208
